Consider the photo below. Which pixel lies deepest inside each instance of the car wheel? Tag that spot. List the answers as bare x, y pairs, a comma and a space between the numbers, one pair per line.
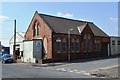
3, 62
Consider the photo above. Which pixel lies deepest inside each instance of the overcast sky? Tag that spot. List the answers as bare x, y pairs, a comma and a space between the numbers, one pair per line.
103, 14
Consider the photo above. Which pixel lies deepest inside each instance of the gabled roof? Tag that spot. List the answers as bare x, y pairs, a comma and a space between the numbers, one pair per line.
96, 30
62, 25
20, 34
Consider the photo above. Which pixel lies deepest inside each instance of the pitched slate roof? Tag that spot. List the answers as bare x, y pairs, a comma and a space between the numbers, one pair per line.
62, 25
96, 30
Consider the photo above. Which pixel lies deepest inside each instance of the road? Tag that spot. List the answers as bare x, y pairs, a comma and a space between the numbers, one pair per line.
18, 71
69, 70
89, 66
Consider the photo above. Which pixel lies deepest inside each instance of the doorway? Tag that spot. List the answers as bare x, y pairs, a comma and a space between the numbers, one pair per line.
104, 49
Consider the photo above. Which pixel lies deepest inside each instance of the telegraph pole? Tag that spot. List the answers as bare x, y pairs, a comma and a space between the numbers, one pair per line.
14, 45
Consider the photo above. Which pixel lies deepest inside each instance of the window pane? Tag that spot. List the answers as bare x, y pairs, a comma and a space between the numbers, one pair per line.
113, 42
34, 30
89, 46
64, 46
84, 44
89, 36
38, 32
85, 37
58, 45
77, 47
73, 46
118, 42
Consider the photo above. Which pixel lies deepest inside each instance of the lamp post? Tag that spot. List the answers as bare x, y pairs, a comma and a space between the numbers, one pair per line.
69, 44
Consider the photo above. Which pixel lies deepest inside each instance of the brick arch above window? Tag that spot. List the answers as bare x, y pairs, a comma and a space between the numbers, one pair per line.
77, 40
64, 40
73, 40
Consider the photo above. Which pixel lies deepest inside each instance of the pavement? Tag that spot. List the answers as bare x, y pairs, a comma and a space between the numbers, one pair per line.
108, 72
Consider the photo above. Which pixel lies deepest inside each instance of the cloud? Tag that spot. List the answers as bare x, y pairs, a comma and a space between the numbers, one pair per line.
67, 15
4, 42
113, 19
85, 20
4, 18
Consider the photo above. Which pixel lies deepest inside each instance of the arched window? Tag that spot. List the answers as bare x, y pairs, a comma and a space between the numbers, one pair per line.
89, 43
58, 45
85, 37
38, 29
34, 30
97, 45
73, 44
64, 45
85, 42
89, 36
77, 45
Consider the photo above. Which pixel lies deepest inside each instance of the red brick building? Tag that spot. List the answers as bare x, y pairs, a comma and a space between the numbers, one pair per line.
86, 39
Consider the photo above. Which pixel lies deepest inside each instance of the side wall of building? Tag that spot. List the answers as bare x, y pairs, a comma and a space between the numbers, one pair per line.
114, 45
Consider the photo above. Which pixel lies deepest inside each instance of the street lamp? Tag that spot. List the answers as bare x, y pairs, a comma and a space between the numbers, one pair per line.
69, 44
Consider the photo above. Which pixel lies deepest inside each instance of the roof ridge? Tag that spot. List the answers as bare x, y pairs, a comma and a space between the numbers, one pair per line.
64, 18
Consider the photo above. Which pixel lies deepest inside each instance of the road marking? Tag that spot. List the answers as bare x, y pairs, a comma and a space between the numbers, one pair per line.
87, 73
42, 67
63, 70
67, 70
78, 72
93, 76
70, 71
75, 70
36, 67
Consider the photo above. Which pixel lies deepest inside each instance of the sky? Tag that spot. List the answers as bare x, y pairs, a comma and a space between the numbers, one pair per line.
103, 14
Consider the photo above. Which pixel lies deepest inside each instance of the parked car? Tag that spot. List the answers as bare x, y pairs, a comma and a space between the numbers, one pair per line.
6, 58
0, 56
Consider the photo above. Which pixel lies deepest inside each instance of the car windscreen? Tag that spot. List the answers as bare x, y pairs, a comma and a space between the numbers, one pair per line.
0, 55
7, 56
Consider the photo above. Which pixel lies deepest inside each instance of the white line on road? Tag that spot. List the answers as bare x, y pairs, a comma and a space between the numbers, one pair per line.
75, 70
71, 71
36, 67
